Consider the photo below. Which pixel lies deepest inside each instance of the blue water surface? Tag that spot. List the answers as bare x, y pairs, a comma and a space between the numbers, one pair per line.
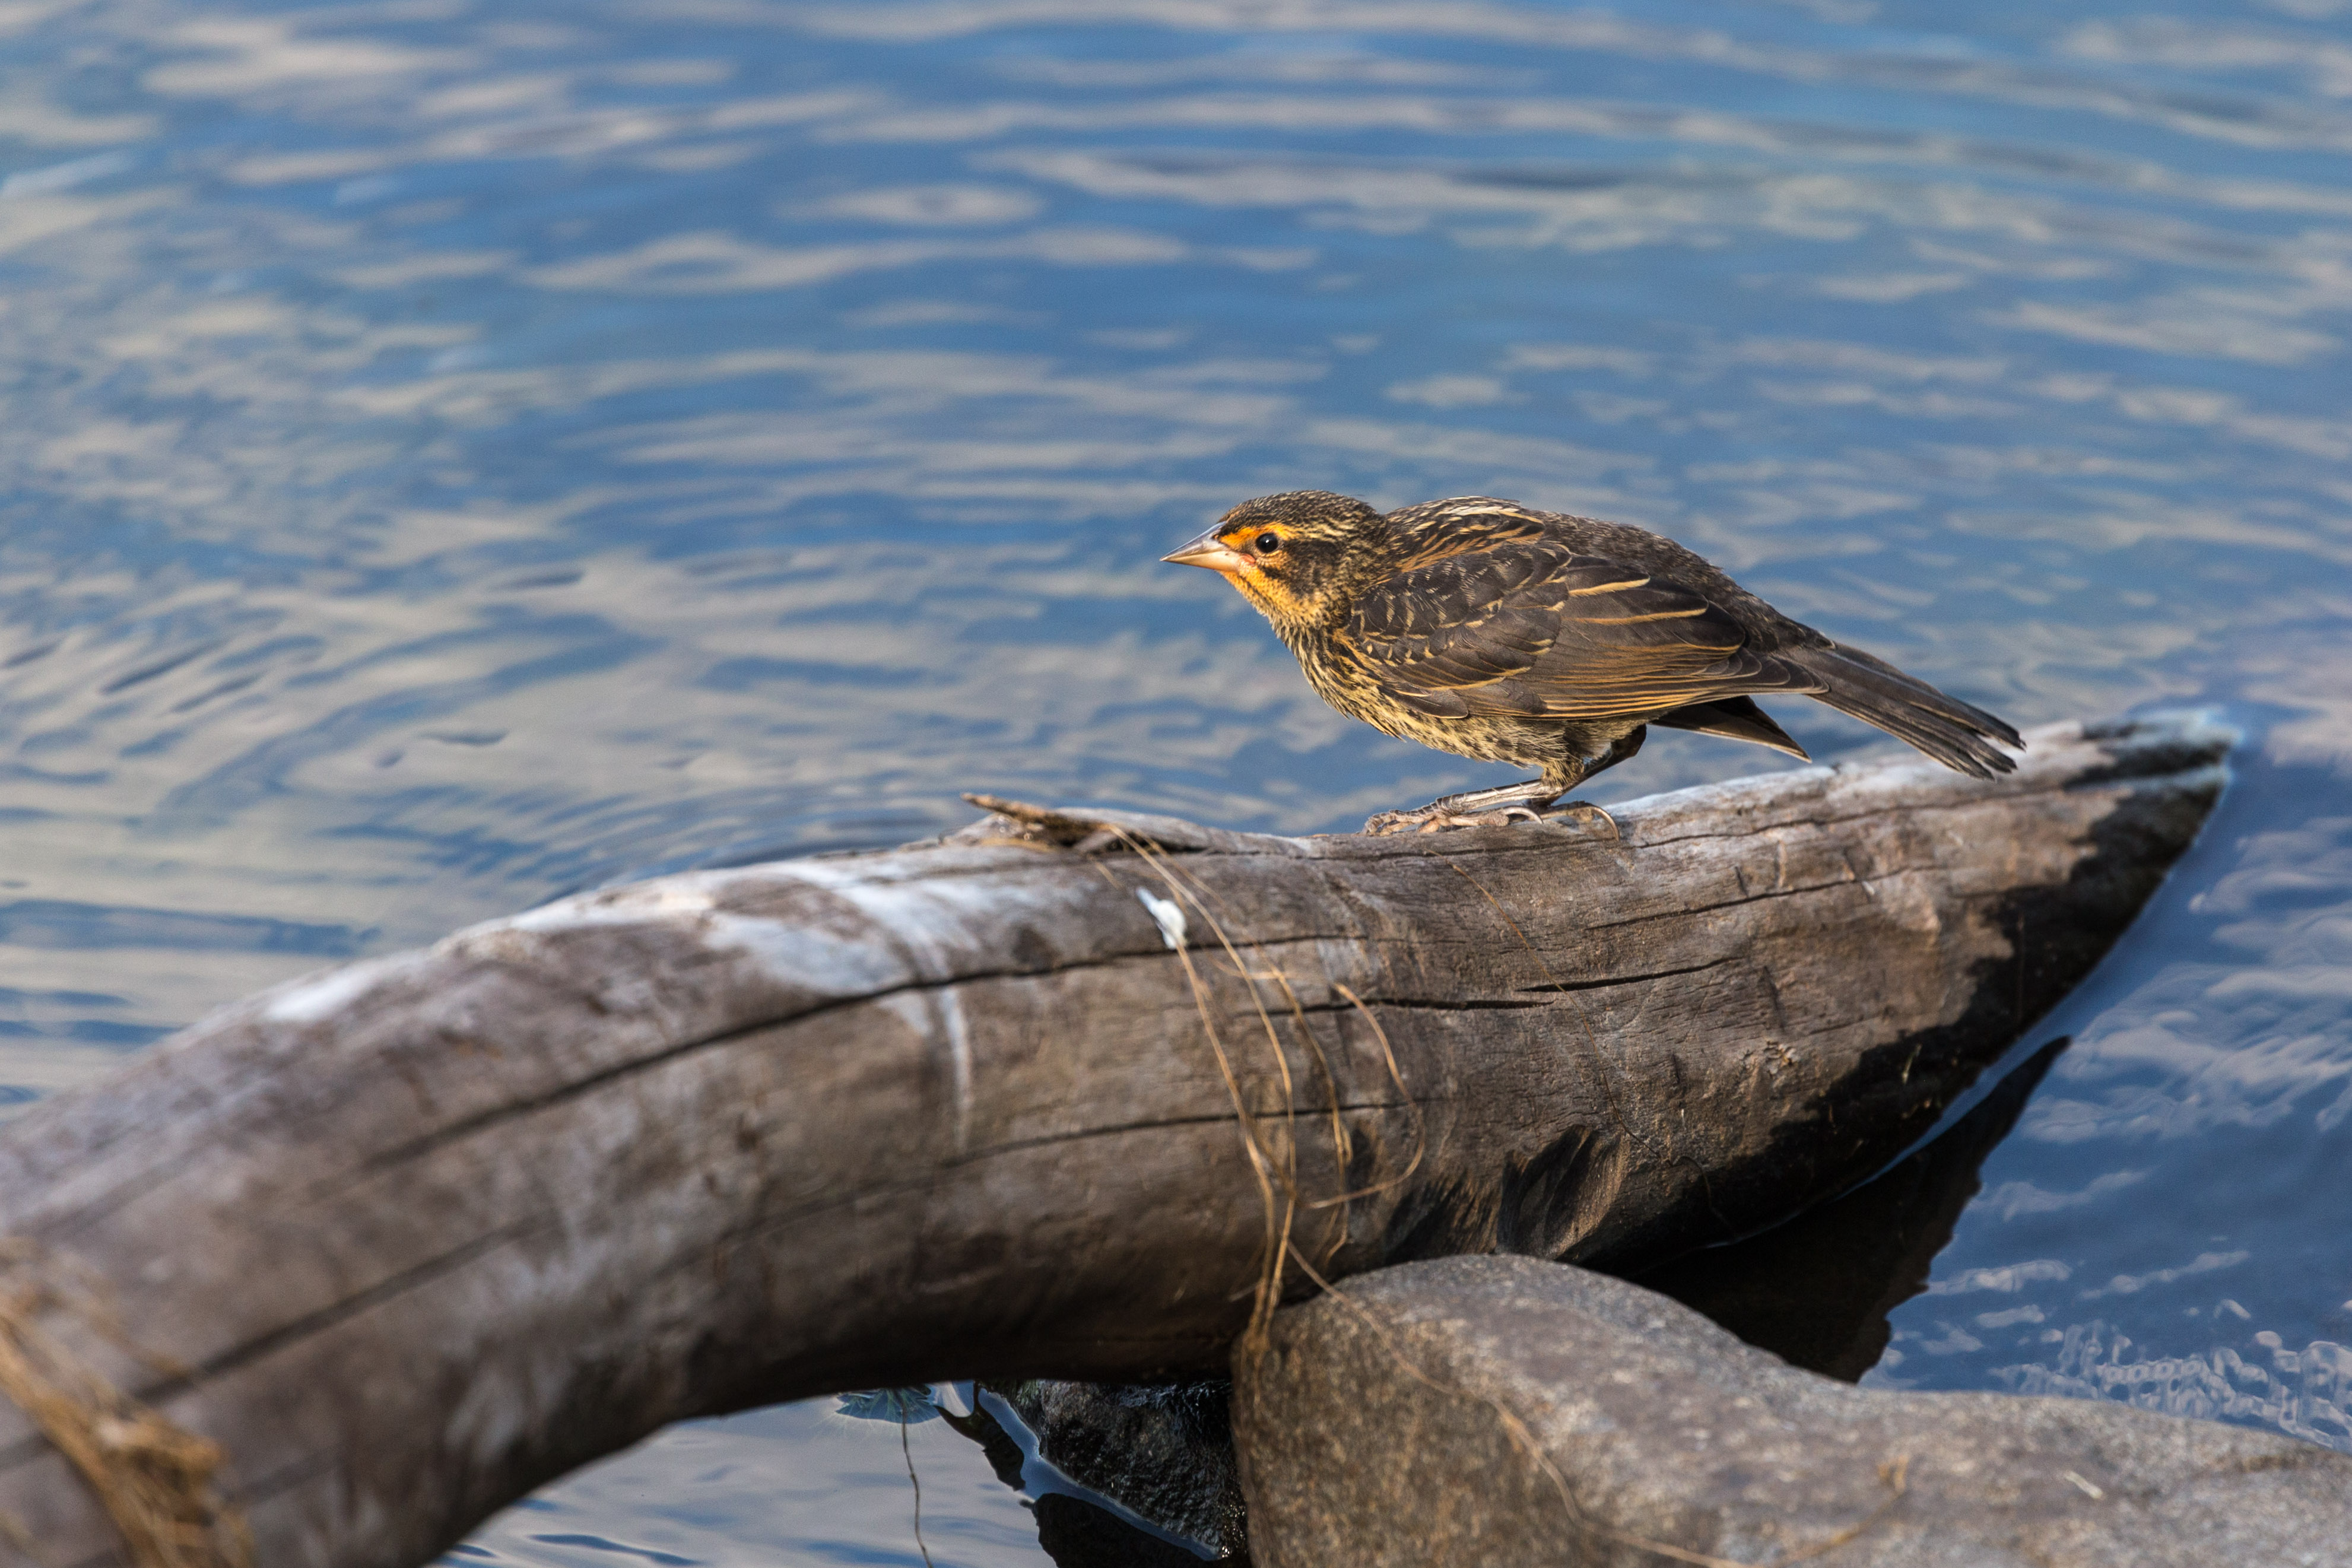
452, 453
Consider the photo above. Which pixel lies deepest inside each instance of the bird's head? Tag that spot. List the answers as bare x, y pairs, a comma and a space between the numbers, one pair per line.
1300, 556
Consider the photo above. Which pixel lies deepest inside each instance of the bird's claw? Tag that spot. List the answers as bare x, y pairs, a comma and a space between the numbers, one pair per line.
1583, 812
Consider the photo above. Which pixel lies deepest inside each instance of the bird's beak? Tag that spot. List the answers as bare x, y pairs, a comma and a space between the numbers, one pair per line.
1210, 553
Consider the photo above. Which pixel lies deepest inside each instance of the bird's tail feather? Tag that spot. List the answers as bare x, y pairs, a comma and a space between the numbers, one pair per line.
1954, 733
1734, 718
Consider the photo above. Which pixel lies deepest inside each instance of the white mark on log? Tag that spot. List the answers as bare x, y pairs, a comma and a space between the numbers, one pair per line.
2089, 1490
936, 1016
797, 955
806, 959
951, 1004
1170, 915
650, 900
313, 1001
940, 923
495, 1413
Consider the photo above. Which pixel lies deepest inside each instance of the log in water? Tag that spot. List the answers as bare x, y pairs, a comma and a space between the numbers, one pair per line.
412, 1237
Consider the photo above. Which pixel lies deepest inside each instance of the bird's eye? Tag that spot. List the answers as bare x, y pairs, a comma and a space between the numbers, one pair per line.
1267, 544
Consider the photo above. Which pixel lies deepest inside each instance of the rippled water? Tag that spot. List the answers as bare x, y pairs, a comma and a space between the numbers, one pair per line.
454, 453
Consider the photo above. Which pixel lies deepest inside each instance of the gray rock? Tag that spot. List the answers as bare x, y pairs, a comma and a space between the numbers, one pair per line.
1499, 1411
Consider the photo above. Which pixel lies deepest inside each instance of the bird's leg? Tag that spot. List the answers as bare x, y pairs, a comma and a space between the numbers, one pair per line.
1530, 800
1578, 770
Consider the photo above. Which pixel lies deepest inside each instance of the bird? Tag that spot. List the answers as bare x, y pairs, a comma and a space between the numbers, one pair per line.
1503, 633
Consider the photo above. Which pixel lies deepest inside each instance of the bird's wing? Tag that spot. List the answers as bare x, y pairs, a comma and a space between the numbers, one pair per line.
1529, 627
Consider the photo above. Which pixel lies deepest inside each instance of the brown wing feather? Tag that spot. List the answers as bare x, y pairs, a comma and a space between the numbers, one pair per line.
1525, 626
1439, 531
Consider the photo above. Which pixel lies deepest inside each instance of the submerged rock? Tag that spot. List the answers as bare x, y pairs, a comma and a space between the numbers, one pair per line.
1501, 1411
1163, 1451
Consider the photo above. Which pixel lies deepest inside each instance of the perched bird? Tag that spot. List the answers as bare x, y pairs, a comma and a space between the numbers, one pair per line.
1491, 630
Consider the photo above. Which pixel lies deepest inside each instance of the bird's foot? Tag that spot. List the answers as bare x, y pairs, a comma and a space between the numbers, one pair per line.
1491, 808
1428, 819
1477, 808
1582, 813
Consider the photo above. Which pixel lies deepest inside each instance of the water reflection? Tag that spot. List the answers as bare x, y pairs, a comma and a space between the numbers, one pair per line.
2210, 1086
795, 1484
456, 454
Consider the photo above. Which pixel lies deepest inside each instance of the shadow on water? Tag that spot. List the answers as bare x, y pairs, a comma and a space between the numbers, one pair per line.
1817, 1291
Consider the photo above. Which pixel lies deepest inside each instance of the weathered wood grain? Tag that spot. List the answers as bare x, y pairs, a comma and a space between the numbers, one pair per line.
425, 1231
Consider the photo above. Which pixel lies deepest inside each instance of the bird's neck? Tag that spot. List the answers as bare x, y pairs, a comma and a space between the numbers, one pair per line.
1369, 560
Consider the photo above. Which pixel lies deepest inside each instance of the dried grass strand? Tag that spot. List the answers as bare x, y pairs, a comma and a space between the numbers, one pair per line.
1266, 1295
1342, 1142
153, 1479
1270, 1171
1412, 1106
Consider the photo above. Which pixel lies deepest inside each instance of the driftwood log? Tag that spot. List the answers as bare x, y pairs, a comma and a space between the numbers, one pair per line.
412, 1237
